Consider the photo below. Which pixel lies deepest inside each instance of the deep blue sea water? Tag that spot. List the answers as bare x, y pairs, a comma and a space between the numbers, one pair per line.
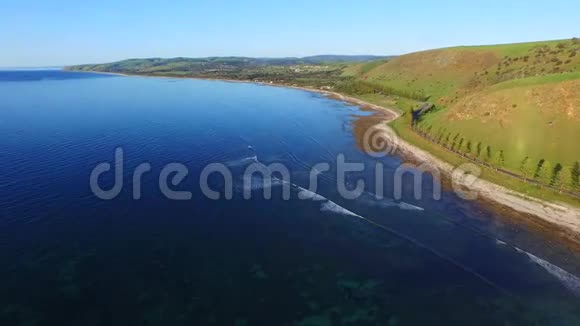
70, 258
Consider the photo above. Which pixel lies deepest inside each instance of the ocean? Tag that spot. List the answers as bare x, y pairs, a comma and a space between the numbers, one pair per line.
129, 201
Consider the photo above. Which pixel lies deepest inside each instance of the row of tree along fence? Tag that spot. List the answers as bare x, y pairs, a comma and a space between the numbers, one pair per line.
558, 178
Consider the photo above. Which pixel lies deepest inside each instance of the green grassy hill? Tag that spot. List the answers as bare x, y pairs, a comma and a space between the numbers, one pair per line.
319, 71
520, 100
444, 75
191, 66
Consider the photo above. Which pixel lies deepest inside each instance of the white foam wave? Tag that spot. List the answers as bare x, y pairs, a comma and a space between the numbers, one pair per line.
333, 207
383, 203
257, 183
407, 206
570, 281
305, 194
371, 199
242, 161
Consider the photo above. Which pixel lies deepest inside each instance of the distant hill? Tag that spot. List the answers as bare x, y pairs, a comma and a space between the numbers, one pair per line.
316, 71
522, 100
330, 58
203, 65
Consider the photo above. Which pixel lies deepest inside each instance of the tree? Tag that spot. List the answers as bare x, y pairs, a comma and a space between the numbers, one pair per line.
447, 139
539, 168
454, 141
488, 154
525, 167
440, 138
500, 159
413, 117
479, 149
555, 178
468, 147
440, 135
546, 175
566, 178
576, 176
460, 146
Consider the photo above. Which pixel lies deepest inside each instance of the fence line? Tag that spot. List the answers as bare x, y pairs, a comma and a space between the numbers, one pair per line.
431, 139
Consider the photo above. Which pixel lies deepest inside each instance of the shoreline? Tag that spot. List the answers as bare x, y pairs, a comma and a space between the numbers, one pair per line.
561, 217
328, 93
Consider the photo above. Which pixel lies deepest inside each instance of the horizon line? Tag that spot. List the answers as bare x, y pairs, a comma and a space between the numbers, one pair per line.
286, 57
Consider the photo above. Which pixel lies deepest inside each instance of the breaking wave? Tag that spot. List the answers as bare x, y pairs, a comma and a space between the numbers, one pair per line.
307, 194
372, 200
569, 280
242, 161
330, 206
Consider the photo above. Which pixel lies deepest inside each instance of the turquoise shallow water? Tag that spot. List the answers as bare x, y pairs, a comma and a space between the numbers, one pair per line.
70, 258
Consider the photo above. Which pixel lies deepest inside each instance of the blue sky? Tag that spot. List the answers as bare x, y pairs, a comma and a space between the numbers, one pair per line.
60, 32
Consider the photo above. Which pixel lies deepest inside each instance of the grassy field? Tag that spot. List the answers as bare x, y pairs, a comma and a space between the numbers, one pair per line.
519, 103
402, 129
444, 75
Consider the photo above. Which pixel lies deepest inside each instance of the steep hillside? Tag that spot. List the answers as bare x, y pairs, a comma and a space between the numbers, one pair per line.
516, 106
446, 74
